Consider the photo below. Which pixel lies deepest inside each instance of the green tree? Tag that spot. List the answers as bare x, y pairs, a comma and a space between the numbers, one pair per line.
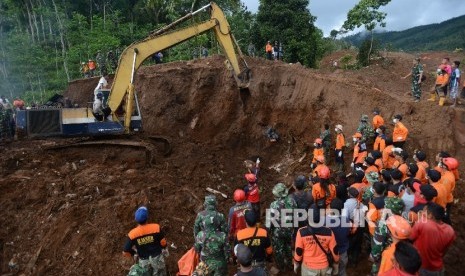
366, 13
289, 22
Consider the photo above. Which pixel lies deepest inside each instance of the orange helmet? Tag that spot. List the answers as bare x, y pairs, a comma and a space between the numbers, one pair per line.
357, 135
239, 195
399, 227
319, 141
320, 158
250, 177
324, 173
451, 163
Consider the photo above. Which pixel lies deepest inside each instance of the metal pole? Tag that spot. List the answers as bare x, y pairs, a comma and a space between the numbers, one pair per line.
180, 20
134, 65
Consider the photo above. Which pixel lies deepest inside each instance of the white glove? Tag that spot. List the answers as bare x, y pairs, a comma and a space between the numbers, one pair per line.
352, 164
258, 161
340, 154
296, 267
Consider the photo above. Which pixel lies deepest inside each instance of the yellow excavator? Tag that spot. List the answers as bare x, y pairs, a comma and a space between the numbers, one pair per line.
122, 90
121, 98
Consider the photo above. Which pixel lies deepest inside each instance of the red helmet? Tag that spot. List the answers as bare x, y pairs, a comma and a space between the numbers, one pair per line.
324, 173
239, 195
451, 163
319, 141
250, 177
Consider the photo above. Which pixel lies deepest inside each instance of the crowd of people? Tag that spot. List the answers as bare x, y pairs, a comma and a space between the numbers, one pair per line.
392, 203
102, 65
7, 117
275, 51
446, 85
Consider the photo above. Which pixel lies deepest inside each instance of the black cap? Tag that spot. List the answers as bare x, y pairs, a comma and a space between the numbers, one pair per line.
396, 174
353, 192
376, 154
243, 254
413, 169
398, 116
434, 175
250, 217
420, 155
370, 161
428, 191
300, 182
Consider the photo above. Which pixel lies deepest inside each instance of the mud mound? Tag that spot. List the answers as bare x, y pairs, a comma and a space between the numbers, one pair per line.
67, 211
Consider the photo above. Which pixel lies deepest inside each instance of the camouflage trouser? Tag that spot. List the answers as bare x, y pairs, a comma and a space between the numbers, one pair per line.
157, 263
217, 267
327, 152
416, 90
281, 238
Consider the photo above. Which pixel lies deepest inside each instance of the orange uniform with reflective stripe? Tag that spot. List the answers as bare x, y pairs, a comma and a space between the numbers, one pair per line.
317, 152
318, 193
380, 144
268, 48
400, 133
379, 163
448, 181
441, 199
359, 157
388, 159
308, 251
260, 245
421, 174
386, 258
442, 79
340, 141
377, 121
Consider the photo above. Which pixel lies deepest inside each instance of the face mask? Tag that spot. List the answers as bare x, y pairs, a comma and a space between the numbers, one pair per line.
378, 130
395, 121
336, 129
315, 144
355, 140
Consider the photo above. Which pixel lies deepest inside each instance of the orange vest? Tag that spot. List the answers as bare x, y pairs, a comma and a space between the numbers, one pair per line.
377, 121
340, 141
400, 133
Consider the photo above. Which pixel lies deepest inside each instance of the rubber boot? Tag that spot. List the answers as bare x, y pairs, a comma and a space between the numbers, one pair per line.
432, 98
442, 100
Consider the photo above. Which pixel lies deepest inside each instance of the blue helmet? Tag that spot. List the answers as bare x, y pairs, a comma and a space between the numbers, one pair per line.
141, 215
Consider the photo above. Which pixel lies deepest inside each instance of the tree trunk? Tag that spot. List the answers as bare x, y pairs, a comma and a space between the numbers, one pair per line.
371, 47
62, 40
34, 17
31, 28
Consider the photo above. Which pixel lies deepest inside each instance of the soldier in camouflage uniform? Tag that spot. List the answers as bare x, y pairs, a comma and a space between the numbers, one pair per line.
382, 238
213, 247
6, 118
417, 74
365, 129
101, 63
326, 137
281, 237
209, 214
112, 61
368, 193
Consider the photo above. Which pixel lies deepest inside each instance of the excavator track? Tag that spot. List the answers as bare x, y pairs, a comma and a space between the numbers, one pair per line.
148, 146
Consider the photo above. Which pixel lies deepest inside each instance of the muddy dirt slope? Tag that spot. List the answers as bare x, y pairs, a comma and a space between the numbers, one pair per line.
66, 212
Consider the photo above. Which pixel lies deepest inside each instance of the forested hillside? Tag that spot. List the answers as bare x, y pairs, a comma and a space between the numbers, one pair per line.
43, 42
447, 35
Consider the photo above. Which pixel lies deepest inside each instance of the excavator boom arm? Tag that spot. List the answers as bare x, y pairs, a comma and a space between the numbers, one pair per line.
133, 56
